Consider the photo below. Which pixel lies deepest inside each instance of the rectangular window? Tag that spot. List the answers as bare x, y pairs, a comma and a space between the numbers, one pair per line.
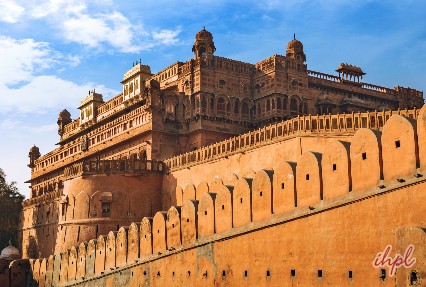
106, 208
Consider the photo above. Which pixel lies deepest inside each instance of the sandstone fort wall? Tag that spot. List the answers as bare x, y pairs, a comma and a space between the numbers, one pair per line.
300, 220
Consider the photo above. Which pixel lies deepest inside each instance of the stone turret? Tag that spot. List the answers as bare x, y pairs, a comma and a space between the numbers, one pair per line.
33, 155
204, 46
295, 50
64, 118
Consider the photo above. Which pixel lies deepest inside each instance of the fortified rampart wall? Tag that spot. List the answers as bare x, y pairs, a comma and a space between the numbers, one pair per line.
319, 221
241, 156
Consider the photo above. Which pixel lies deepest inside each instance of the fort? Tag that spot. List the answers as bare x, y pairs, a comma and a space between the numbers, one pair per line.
216, 172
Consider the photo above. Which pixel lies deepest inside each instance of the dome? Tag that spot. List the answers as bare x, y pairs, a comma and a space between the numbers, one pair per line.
64, 114
34, 149
203, 34
10, 253
295, 50
295, 44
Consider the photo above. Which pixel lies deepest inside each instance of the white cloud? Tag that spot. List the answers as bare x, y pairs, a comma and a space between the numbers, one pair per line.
167, 37
23, 88
20, 58
10, 11
93, 24
114, 29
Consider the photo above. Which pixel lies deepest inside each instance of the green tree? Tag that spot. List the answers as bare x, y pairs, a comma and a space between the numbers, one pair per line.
10, 207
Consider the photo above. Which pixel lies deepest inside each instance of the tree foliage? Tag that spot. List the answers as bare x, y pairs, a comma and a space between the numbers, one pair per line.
10, 207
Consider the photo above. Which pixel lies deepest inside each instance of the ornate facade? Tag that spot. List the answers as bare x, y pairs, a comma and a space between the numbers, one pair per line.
132, 156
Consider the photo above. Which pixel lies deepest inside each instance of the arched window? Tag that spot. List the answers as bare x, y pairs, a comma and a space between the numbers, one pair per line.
268, 105
203, 103
245, 109
220, 105
279, 103
212, 105
293, 105
273, 104
236, 107
202, 52
305, 108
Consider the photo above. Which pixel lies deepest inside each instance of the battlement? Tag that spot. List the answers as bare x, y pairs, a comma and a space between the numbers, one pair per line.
386, 166
321, 124
409, 91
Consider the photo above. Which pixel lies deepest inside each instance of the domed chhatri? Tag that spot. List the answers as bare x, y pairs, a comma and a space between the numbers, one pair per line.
204, 46
10, 253
295, 50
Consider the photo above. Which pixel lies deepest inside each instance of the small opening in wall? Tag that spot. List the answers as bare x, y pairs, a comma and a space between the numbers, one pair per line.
260, 193
364, 156
413, 278
307, 176
189, 273
158, 230
223, 273
334, 167
145, 235
382, 274
245, 273
223, 207
173, 226
144, 273
397, 144
282, 185
241, 200
158, 273
81, 259
205, 212
350, 274
132, 273
187, 220
110, 249
268, 273
319, 273
293, 273
173, 273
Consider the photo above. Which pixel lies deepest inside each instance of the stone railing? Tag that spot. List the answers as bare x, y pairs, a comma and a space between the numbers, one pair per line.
284, 130
131, 166
71, 128
323, 76
109, 107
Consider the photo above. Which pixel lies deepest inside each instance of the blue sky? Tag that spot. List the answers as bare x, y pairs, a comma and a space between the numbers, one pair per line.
53, 52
